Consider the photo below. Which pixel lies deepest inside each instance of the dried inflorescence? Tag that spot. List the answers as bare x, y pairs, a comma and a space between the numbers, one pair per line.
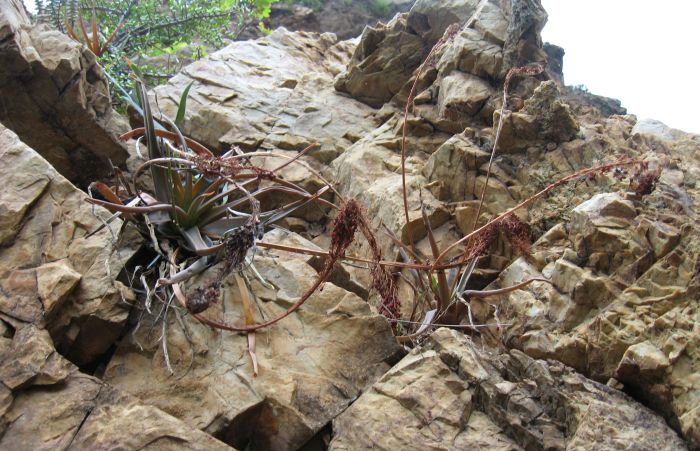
481, 242
202, 298
236, 246
350, 217
382, 280
517, 232
644, 180
344, 227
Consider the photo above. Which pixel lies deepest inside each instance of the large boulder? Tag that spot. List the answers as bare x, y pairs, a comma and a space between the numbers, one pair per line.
55, 97
451, 394
382, 62
53, 272
494, 37
658, 130
272, 93
544, 119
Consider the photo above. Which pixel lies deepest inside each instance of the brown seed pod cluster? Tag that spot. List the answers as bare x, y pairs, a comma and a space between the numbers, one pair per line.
644, 180
350, 217
518, 234
202, 298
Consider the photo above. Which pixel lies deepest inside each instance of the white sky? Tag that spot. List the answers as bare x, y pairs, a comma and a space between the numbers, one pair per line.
645, 53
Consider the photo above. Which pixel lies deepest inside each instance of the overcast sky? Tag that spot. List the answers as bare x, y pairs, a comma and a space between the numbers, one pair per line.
642, 52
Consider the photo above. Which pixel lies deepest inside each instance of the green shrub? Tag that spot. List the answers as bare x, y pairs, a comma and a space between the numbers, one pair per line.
379, 7
119, 29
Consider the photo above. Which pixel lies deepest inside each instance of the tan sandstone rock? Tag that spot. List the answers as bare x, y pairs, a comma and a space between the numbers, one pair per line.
53, 274
622, 301
275, 93
56, 98
543, 119
45, 404
311, 364
449, 394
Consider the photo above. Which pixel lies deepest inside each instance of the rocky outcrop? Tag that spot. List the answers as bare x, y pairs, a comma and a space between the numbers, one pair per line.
544, 119
622, 262
382, 62
273, 93
449, 393
555, 62
584, 103
456, 97
54, 273
624, 272
610, 260
48, 404
56, 99
660, 131
581, 101
494, 37
312, 365
345, 19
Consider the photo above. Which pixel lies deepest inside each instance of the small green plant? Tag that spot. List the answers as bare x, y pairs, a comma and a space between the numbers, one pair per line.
196, 196
202, 210
92, 39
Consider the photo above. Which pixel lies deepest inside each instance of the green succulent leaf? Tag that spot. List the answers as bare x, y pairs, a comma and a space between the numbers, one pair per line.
200, 246
160, 177
182, 106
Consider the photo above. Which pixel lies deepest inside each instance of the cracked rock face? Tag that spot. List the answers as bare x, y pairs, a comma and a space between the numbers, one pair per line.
58, 291
56, 98
620, 309
52, 274
273, 93
450, 394
46, 403
624, 269
311, 364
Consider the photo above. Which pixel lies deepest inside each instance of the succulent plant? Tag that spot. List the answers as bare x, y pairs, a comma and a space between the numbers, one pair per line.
200, 203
